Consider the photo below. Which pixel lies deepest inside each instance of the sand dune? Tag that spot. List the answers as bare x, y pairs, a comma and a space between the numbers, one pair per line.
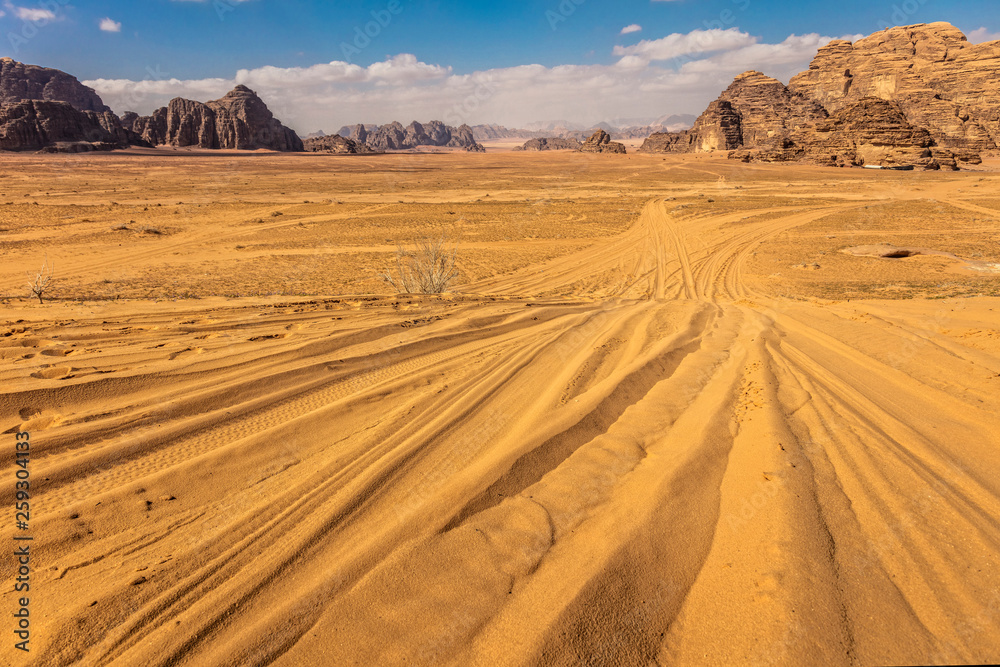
632, 449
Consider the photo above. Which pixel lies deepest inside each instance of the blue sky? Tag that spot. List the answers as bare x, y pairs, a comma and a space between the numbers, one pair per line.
538, 60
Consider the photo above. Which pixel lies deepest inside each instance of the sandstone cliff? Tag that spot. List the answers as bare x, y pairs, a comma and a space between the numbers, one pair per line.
754, 110
941, 94
872, 132
31, 82
940, 81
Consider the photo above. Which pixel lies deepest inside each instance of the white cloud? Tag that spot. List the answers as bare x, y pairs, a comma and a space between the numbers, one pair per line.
980, 35
635, 27
684, 44
328, 95
107, 25
31, 14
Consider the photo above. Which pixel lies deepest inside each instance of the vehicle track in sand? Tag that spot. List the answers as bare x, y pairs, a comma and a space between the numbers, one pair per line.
629, 454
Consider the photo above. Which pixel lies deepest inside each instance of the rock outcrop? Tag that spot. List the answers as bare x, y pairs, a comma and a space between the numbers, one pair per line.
394, 137
152, 129
600, 142
31, 82
239, 120
755, 110
550, 144
940, 81
335, 144
872, 132
39, 124
940, 105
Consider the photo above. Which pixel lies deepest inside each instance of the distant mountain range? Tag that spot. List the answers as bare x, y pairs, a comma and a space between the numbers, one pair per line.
630, 128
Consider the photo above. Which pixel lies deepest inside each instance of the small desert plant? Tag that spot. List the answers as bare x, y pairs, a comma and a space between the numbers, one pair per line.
427, 269
40, 284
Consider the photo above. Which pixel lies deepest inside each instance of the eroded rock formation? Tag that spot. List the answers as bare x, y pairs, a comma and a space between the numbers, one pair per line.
872, 131
940, 94
335, 144
19, 81
239, 120
940, 81
600, 142
394, 137
39, 124
753, 111
550, 144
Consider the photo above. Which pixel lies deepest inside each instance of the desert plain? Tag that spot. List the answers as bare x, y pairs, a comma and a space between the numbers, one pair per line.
662, 416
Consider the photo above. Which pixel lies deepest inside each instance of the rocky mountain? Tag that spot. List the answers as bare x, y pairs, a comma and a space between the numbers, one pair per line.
871, 132
395, 137
550, 144
940, 81
755, 109
941, 95
491, 132
239, 120
40, 124
600, 142
335, 144
31, 82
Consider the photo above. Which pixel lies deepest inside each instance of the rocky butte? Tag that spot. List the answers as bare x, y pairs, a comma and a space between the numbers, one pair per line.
239, 120
917, 95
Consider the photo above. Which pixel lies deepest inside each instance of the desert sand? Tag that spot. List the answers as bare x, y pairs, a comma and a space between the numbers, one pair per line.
662, 418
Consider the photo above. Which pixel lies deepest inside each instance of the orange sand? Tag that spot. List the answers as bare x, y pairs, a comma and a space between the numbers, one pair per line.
647, 426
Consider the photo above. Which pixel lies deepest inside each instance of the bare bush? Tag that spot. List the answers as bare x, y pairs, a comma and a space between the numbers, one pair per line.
427, 269
40, 284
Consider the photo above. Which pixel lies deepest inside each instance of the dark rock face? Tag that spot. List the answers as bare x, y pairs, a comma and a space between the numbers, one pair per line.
600, 142
239, 120
550, 144
335, 144
476, 148
152, 129
38, 124
31, 82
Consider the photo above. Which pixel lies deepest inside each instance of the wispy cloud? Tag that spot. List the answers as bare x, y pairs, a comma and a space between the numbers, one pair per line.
30, 13
635, 27
980, 35
685, 44
108, 25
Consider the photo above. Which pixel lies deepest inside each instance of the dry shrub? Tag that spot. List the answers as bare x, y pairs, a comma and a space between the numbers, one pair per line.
427, 269
40, 284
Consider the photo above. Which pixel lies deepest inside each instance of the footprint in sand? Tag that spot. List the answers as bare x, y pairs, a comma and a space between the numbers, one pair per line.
65, 352
193, 350
35, 420
52, 373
